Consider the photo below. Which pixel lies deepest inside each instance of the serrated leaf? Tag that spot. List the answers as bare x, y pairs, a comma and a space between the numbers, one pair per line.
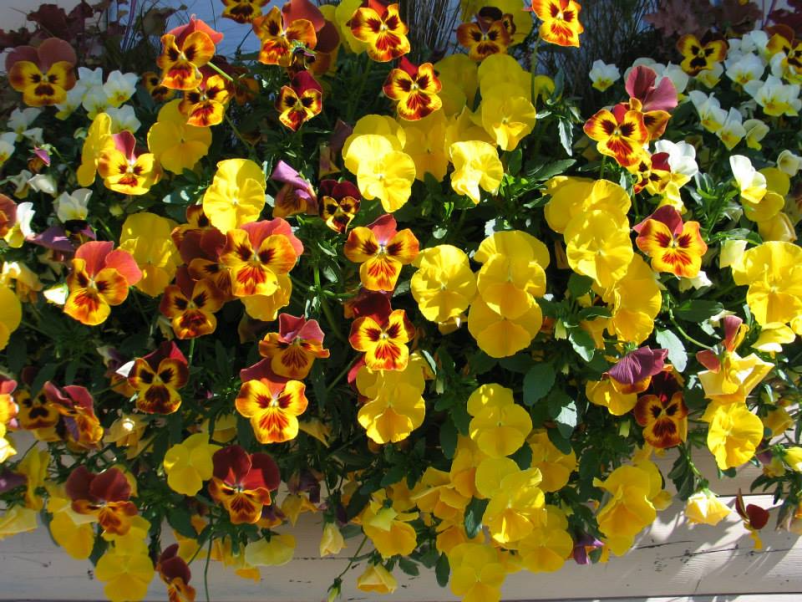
408, 567
538, 382
676, 350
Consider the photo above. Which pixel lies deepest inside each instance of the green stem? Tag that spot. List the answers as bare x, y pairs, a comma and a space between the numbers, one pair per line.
191, 352
238, 134
206, 568
352, 104
220, 71
353, 558
603, 165
339, 377
686, 335
326, 309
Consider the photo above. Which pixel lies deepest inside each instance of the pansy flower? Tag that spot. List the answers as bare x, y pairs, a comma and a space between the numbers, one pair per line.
280, 39
697, 57
662, 412
99, 279
105, 496
499, 426
414, 88
487, 35
98, 140
185, 50
783, 42
755, 518
43, 74
293, 349
76, 407
652, 172
205, 105
674, 246
620, 133
157, 378
560, 18
175, 143
382, 29
257, 253
174, 572
190, 305
382, 250
654, 101
237, 194
338, 204
243, 11
296, 194
35, 412
383, 337
154, 87
201, 251
299, 102
273, 405
125, 170
242, 483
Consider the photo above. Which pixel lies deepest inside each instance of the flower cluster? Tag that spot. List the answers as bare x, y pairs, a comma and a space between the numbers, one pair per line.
423, 295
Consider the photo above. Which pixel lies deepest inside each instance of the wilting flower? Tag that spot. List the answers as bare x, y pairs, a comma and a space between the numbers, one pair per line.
243, 11
296, 194
190, 305
383, 338
281, 39
705, 508
698, 57
338, 204
382, 250
755, 518
444, 285
299, 102
384, 32
674, 246
499, 426
157, 378
105, 495
388, 526
237, 194
242, 482
560, 18
332, 541
376, 579
257, 254
383, 171
277, 551
153, 85
603, 75
43, 74
476, 572
99, 279
414, 88
189, 464
184, 53
175, 573
476, 165
618, 389
205, 105
126, 171
146, 236
620, 133
487, 35
292, 350
273, 407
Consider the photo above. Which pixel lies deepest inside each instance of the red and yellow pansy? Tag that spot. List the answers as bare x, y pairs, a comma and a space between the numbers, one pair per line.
414, 88
45, 74
105, 496
662, 412
157, 377
299, 102
382, 250
273, 406
339, 203
243, 11
184, 51
673, 245
382, 29
620, 133
488, 34
383, 337
206, 105
174, 572
242, 483
125, 170
281, 39
190, 305
293, 349
76, 407
560, 18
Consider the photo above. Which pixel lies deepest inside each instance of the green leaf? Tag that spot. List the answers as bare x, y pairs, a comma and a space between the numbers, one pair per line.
582, 343
538, 382
517, 363
567, 419
395, 474
579, 285
461, 418
45, 374
481, 363
514, 162
523, 457
549, 170
473, 516
676, 350
17, 352
595, 311
696, 310
560, 442
441, 570
180, 520
566, 131
448, 439
408, 567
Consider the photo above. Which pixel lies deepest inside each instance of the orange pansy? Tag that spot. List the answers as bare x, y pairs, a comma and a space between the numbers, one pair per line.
414, 89
620, 133
381, 250
674, 246
383, 339
273, 407
384, 33
293, 349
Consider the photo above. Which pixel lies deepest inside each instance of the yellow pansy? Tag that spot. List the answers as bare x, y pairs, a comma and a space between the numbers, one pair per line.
555, 467
189, 464
331, 542
98, 139
426, 145
147, 237
499, 426
296, 504
733, 435
174, 143
636, 300
236, 196
34, 466
705, 508
436, 494
476, 165
382, 171
735, 379
459, 77
516, 507
572, 197
17, 520
548, 545
10, 314
598, 245
499, 336
444, 284
476, 573
507, 116
376, 579
127, 571
278, 550
778, 420
388, 529
467, 458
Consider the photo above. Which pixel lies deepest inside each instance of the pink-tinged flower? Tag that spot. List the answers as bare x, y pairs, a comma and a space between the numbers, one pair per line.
293, 349
242, 483
157, 378
185, 50
296, 194
383, 339
175, 573
299, 102
105, 496
414, 88
125, 170
734, 332
674, 246
76, 407
339, 203
639, 366
655, 101
99, 279
43, 74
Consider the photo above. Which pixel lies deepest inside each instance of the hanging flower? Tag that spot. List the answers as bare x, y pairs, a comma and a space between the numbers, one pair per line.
560, 18
382, 250
620, 133
174, 572
99, 279
663, 412
184, 51
205, 105
383, 339
384, 32
273, 406
376, 579
126, 171
444, 285
157, 378
387, 526
236, 196
499, 426
674, 246
697, 57
190, 305
242, 482
43, 74
705, 508
734, 433
339, 203
299, 102
292, 350
105, 495
476, 572
127, 571
189, 464
414, 88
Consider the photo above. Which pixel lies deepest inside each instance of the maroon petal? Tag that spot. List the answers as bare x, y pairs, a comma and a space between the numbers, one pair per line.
54, 50
264, 473
638, 365
385, 227
303, 9
78, 485
21, 53
231, 464
110, 485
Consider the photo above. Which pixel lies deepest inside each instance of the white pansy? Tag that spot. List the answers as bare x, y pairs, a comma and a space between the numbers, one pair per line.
25, 213
710, 77
745, 69
7, 145
120, 87
20, 121
73, 206
789, 163
44, 183
57, 295
603, 75
95, 101
681, 157
711, 115
732, 132
20, 182
751, 182
782, 68
775, 97
123, 119
756, 130
700, 281
74, 99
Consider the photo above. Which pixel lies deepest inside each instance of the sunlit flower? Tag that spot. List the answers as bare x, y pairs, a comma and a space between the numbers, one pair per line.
487, 35
98, 140
733, 435
775, 97
476, 573
296, 195
242, 483
338, 204
236, 196
126, 171
381, 250
146, 236
547, 547
673, 245
299, 102
705, 508
516, 507
598, 246
414, 88
560, 18
499, 426
382, 30
280, 39
383, 171
697, 57
10, 314
507, 117
388, 527
620, 133
43, 74
205, 105
157, 377
190, 306
603, 75
105, 496
746, 68
383, 339
555, 466
444, 285
293, 349
183, 55
476, 165
663, 415
501, 336
711, 115
273, 408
